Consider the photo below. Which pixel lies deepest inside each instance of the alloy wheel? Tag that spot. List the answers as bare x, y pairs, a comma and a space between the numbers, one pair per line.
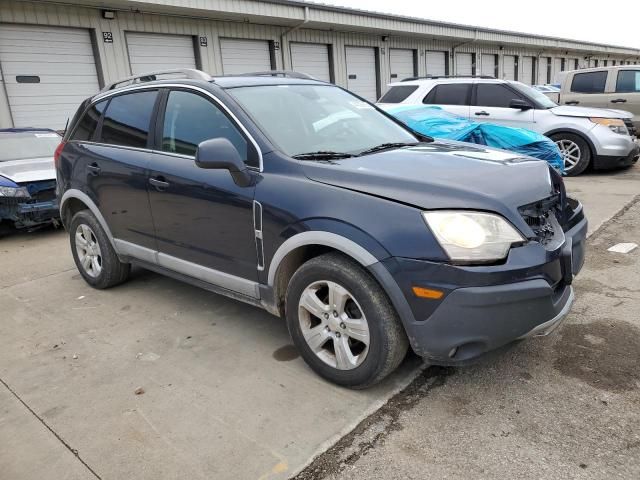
88, 250
333, 325
571, 153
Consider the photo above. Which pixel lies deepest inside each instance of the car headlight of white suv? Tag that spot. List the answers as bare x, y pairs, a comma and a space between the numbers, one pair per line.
472, 237
616, 125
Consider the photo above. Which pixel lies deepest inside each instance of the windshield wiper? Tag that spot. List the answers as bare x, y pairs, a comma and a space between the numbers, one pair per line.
387, 146
322, 155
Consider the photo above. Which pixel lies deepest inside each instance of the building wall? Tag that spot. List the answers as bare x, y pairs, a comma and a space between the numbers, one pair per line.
113, 64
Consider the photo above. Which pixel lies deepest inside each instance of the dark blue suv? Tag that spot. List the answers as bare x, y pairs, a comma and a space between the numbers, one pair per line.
302, 198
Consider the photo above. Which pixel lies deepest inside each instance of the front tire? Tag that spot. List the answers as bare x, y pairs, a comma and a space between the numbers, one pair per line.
343, 322
575, 151
93, 254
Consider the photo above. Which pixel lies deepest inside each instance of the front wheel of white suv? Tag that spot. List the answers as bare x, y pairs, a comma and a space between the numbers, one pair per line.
575, 151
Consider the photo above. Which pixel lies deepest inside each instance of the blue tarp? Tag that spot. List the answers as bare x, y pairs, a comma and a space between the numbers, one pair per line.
435, 122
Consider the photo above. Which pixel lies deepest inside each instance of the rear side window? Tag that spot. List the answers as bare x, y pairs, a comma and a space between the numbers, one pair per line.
191, 119
589, 82
628, 81
89, 122
493, 95
451, 94
127, 119
398, 93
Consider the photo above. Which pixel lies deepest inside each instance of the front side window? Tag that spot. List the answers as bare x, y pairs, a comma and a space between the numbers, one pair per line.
451, 94
628, 81
398, 94
494, 95
539, 99
89, 122
190, 119
589, 82
313, 118
127, 119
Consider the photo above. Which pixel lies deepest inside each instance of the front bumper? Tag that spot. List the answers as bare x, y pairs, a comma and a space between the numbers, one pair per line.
605, 162
29, 214
610, 149
484, 307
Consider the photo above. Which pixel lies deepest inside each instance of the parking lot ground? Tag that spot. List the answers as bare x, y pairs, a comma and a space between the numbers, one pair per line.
558, 407
226, 396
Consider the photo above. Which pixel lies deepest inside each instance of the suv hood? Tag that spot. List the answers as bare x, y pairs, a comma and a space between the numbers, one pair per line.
570, 111
443, 175
28, 170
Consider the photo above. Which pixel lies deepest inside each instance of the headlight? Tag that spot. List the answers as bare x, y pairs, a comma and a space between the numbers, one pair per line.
20, 192
472, 237
615, 124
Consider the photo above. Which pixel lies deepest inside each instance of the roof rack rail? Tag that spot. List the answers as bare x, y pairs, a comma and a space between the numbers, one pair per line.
278, 73
190, 73
432, 77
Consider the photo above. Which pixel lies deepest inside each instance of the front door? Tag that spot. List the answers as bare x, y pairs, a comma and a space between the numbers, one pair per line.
490, 103
203, 220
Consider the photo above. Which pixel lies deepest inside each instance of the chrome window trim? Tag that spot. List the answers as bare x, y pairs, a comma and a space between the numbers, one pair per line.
134, 88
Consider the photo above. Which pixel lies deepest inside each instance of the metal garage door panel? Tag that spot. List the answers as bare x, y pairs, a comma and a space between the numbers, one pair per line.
509, 67
361, 72
488, 65
243, 56
527, 70
150, 52
543, 65
63, 60
311, 58
436, 63
464, 64
401, 64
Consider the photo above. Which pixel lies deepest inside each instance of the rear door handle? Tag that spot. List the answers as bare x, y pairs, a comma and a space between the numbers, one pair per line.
94, 169
159, 183
619, 100
572, 102
483, 113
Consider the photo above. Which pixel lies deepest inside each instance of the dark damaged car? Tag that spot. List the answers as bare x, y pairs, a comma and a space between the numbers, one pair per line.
27, 178
299, 197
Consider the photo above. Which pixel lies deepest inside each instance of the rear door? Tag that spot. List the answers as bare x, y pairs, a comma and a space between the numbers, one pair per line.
490, 103
625, 87
115, 160
203, 220
452, 97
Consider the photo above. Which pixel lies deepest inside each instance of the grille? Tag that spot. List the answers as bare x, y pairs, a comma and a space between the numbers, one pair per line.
631, 127
541, 217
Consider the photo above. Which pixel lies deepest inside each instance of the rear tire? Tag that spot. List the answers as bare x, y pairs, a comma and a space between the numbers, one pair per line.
93, 254
575, 152
343, 323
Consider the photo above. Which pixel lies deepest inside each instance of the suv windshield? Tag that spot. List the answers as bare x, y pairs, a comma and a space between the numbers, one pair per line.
21, 145
537, 96
318, 118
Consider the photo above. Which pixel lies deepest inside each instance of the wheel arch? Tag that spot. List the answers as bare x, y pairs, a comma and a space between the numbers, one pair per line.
578, 133
75, 200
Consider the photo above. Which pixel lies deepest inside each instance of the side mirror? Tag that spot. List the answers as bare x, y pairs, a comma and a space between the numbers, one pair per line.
520, 104
221, 154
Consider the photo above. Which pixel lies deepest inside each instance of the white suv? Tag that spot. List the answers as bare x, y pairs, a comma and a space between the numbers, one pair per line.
584, 135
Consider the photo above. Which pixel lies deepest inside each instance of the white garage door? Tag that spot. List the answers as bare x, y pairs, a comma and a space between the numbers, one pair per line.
509, 67
557, 67
489, 65
527, 70
401, 64
543, 69
464, 64
243, 56
436, 63
361, 72
48, 72
311, 58
177, 51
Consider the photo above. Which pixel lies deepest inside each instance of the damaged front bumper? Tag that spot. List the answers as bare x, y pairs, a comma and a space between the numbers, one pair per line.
28, 212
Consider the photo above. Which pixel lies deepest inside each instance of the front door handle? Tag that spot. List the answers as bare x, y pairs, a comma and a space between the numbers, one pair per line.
159, 183
94, 169
482, 113
572, 102
619, 100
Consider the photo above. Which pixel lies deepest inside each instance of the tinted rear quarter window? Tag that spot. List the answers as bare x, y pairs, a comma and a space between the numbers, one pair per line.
452, 94
589, 82
89, 122
127, 119
628, 81
492, 95
398, 93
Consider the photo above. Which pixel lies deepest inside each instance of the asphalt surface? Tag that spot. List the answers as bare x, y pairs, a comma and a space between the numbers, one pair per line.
223, 394
559, 407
